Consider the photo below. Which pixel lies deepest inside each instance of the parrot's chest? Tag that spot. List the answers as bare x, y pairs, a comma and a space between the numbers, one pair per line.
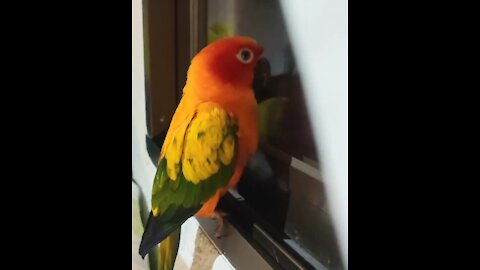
245, 111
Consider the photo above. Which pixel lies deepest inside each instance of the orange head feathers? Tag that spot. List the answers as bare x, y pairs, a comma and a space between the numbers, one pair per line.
229, 60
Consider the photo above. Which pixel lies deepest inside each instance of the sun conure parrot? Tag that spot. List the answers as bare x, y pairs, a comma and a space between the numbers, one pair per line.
212, 134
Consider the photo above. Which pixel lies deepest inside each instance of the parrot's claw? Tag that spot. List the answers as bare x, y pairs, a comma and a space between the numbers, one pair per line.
219, 229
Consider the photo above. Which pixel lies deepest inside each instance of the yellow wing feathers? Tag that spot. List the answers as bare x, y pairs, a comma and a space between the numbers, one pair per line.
201, 147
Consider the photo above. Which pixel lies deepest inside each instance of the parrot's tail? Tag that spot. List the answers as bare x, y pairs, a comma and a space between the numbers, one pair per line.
168, 251
159, 230
163, 257
156, 232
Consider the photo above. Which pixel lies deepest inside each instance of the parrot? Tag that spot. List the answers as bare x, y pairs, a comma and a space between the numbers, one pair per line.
212, 134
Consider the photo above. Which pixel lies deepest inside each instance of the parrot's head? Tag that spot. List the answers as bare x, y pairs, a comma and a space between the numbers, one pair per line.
229, 60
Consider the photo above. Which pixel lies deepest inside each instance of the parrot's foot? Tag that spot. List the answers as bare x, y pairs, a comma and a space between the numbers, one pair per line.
218, 216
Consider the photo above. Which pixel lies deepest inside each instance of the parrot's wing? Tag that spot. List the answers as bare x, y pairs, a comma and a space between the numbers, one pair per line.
198, 162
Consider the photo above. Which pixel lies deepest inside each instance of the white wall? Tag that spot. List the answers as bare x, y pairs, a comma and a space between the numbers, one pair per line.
318, 31
143, 169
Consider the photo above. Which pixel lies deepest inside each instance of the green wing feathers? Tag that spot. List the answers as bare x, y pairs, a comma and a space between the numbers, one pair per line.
199, 160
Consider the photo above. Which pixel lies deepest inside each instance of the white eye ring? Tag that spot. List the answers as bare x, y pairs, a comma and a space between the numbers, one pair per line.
245, 55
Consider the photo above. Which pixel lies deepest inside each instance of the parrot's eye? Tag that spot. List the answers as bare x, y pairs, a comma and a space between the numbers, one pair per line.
245, 55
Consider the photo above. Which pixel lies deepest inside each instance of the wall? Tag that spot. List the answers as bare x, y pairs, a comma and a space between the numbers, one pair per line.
318, 31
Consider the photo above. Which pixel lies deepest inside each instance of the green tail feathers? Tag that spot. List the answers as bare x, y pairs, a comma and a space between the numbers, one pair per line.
163, 256
168, 251
165, 230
